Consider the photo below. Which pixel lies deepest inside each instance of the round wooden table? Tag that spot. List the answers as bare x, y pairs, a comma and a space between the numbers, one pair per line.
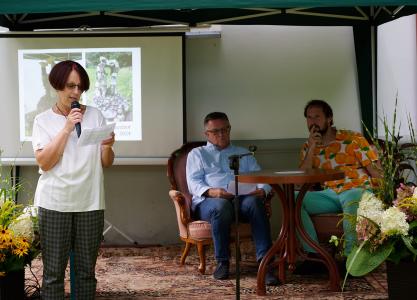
286, 247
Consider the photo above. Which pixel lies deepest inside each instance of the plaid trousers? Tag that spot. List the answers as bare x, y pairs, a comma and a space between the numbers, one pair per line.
62, 232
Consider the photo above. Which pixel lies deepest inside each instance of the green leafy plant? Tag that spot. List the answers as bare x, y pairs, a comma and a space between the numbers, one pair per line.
394, 158
386, 221
19, 242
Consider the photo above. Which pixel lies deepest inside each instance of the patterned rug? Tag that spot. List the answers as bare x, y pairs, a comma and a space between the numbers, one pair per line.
154, 272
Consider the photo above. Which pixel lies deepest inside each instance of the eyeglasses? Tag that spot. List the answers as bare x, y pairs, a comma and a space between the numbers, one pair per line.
218, 131
72, 86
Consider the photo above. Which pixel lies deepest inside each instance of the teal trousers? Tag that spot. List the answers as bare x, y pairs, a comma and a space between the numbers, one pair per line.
328, 201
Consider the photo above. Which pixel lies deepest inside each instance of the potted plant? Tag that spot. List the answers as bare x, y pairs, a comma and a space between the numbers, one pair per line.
386, 221
19, 242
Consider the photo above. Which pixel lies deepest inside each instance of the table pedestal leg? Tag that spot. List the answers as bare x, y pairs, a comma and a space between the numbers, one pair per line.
327, 260
287, 247
279, 248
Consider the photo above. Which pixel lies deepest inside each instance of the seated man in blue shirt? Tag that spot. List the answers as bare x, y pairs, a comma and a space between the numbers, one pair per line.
208, 175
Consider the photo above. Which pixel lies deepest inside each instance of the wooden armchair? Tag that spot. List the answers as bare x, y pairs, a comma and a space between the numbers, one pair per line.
191, 231
327, 225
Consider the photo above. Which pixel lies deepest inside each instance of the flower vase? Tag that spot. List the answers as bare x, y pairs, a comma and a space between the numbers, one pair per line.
402, 279
12, 285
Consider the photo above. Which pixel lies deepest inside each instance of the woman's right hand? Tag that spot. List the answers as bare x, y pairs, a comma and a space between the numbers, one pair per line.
75, 116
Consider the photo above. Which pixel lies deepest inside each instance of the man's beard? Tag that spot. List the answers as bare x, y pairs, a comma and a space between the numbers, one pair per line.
319, 130
324, 130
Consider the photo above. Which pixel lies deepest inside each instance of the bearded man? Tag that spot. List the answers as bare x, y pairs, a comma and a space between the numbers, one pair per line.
331, 148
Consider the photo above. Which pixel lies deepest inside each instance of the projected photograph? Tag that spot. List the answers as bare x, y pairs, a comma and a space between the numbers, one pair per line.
115, 86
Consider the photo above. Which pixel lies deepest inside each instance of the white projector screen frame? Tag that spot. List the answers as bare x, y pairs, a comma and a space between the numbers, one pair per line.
161, 92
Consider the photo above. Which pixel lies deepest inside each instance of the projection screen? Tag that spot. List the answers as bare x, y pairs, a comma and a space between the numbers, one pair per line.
135, 80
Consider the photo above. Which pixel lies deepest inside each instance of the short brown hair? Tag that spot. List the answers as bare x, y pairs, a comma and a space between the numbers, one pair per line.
60, 72
215, 116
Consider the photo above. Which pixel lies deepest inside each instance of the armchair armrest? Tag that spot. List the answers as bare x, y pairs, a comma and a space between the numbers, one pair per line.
182, 210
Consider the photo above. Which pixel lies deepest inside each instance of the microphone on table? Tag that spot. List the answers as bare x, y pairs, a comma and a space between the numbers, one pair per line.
234, 159
252, 149
76, 104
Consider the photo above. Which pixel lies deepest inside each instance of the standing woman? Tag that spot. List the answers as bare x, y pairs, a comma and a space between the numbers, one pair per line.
70, 191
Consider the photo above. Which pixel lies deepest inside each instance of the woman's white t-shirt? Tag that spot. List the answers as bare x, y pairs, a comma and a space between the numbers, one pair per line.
75, 183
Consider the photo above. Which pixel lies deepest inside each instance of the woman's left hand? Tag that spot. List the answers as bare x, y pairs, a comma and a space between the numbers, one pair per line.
109, 141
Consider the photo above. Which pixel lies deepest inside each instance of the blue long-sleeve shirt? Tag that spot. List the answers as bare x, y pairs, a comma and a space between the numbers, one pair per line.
208, 167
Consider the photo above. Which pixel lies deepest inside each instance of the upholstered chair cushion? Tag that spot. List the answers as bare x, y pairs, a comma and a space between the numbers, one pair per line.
199, 230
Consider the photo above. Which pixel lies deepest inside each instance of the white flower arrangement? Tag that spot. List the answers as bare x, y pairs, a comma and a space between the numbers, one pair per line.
386, 221
22, 226
370, 207
384, 232
394, 222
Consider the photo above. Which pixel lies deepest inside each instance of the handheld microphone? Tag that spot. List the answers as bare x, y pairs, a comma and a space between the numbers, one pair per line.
76, 104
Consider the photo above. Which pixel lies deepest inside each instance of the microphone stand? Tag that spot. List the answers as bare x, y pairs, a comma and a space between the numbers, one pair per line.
234, 165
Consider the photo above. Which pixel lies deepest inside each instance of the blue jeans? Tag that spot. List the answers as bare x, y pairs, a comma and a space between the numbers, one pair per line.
220, 214
328, 201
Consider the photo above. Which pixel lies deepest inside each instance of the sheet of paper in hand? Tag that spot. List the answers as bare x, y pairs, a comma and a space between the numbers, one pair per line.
243, 188
91, 136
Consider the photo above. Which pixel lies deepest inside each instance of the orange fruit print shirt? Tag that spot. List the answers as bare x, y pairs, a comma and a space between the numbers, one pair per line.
351, 153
